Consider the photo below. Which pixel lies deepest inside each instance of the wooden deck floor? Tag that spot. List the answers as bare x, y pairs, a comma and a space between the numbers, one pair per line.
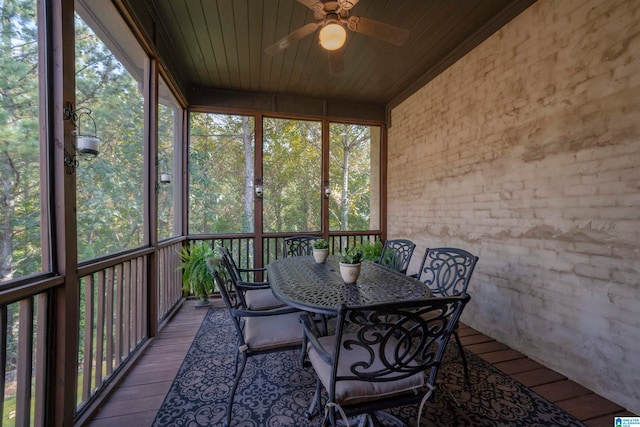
138, 397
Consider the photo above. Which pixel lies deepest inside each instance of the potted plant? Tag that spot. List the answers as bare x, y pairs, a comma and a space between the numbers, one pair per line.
196, 278
350, 264
320, 250
371, 250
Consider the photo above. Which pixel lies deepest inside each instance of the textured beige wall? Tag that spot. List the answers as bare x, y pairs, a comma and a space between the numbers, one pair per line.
527, 153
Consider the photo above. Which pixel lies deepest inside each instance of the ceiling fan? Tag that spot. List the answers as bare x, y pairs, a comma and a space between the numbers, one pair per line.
332, 17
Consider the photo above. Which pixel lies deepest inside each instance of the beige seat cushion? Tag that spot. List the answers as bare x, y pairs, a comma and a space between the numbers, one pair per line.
267, 332
262, 299
356, 391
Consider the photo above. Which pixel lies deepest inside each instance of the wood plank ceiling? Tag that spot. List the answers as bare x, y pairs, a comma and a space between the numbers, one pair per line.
220, 45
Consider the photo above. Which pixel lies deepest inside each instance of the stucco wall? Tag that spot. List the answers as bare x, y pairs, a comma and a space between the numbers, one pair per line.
527, 153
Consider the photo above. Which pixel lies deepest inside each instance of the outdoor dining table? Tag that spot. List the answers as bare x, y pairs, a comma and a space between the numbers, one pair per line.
302, 283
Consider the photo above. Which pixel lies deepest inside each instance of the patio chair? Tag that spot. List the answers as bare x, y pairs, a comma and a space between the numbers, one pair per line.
299, 245
447, 272
381, 356
258, 331
396, 254
255, 295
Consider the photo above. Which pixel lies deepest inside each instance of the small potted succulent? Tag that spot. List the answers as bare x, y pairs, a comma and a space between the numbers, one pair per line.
320, 250
350, 262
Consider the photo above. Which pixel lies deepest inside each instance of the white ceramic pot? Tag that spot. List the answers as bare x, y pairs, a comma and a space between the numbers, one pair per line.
320, 255
349, 272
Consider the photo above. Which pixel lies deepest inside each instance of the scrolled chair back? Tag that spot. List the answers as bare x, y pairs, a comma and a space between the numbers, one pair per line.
399, 340
383, 355
447, 271
396, 254
299, 245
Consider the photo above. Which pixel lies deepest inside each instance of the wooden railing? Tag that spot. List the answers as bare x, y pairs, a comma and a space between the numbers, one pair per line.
24, 352
273, 247
114, 307
169, 277
19, 379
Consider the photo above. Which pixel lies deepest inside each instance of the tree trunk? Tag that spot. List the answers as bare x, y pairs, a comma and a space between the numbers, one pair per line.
344, 203
8, 207
247, 211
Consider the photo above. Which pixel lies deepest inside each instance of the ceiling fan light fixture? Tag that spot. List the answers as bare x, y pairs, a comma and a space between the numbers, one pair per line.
332, 36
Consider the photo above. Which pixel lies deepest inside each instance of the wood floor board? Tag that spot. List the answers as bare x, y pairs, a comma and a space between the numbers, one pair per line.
501, 355
589, 406
475, 339
127, 393
538, 377
522, 364
486, 347
560, 390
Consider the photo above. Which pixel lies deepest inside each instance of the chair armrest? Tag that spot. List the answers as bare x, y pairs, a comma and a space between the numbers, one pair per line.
267, 312
252, 270
252, 285
311, 335
250, 273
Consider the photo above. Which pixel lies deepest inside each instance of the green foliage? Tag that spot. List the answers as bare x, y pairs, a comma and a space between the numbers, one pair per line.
196, 277
221, 152
352, 155
351, 255
320, 244
292, 175
20, 245
166, 138
371, 250
222, 145
110, 198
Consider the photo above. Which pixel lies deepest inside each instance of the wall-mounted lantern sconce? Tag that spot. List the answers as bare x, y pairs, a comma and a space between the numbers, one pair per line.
327, 190
165, 178
87, 143
165, 175
257, 187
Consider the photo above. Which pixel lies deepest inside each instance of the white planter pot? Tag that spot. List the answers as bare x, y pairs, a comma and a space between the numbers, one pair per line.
320, 255
349, 272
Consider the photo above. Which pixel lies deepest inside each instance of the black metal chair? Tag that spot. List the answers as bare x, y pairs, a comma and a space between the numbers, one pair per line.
396, 254
258, 331
255, 295
447, 272
299, 245
381, 356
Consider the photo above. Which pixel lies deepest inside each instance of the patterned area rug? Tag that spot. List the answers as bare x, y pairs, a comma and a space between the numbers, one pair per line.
275, 391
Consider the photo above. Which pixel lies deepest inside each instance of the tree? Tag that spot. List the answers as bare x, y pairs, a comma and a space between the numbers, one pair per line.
292, 172
110, 206
220, 195
20, 252
350, 165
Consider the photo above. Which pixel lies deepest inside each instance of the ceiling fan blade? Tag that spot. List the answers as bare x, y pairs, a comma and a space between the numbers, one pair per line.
377, 29
347, 4
336, 61
311, 4
287, 41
